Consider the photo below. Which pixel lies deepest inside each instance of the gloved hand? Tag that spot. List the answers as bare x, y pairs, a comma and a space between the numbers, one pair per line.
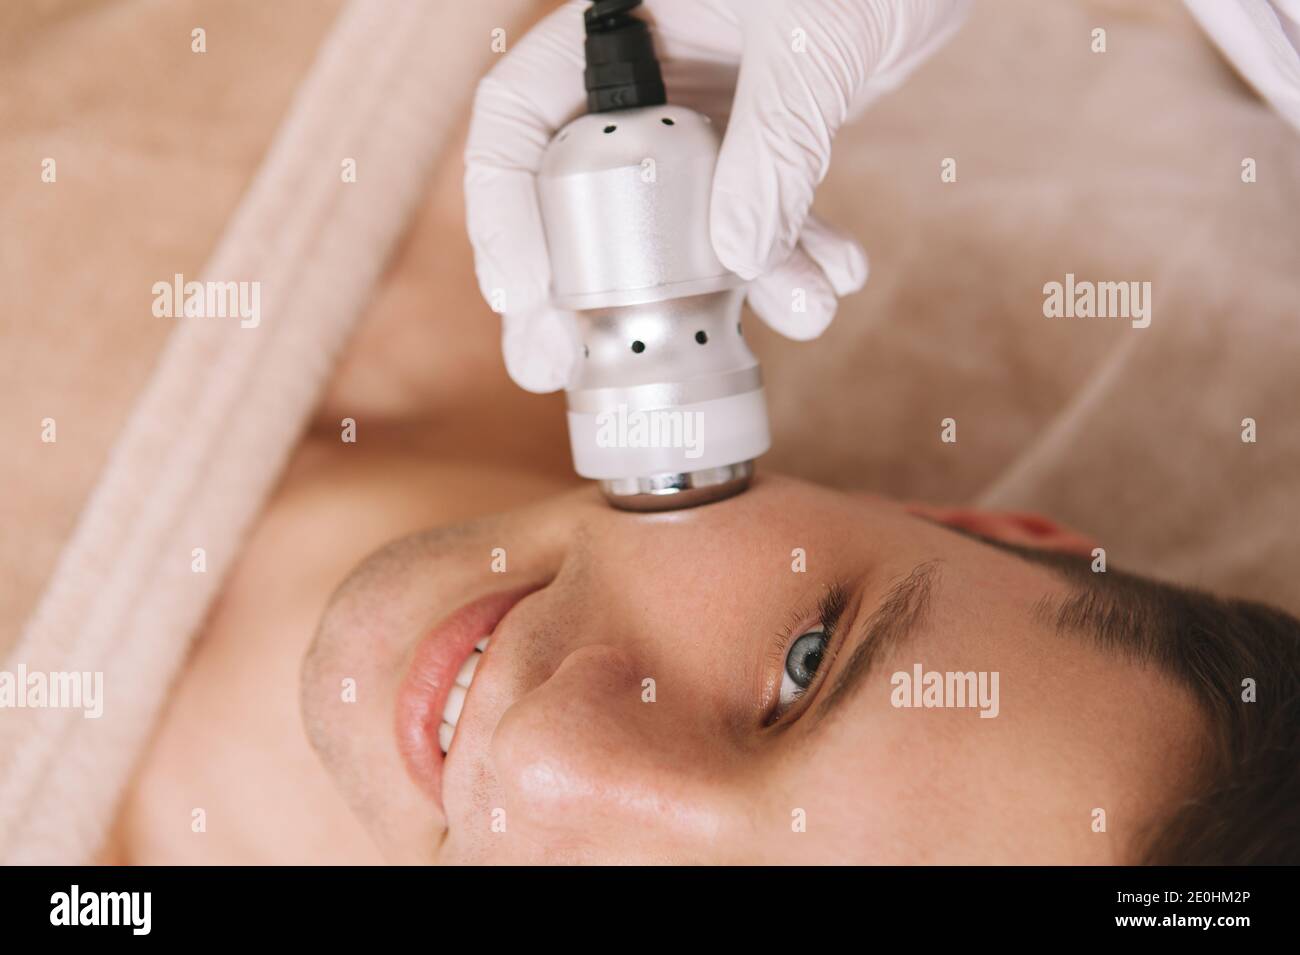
788, 72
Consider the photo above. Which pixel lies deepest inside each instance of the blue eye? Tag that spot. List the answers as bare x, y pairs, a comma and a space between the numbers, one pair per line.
801, 663
802, 658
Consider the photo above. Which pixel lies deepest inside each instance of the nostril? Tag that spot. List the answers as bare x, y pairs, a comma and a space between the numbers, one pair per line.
701, 337
638, 347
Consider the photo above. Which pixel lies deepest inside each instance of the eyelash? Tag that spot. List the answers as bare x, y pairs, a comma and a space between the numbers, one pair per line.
826, 613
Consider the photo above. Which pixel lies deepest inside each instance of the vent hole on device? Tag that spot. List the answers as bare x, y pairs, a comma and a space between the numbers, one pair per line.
610, 129
638, 347
666, 121
702, 337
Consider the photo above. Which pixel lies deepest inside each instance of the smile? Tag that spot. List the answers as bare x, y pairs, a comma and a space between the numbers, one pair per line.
456, 698
431, 698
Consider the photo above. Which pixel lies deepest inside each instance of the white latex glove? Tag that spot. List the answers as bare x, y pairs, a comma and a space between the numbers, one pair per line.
789, 73
1262, 38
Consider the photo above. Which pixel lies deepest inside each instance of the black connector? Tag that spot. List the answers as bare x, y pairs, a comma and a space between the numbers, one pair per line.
622, 71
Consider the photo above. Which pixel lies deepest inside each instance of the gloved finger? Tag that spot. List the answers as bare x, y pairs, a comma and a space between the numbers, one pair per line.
540, 347
795, 299
841, 259
799, 299
805, 68
518, 106
789, 104
505, 228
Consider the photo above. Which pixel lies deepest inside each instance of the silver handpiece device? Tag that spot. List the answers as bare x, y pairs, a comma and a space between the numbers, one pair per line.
666, 407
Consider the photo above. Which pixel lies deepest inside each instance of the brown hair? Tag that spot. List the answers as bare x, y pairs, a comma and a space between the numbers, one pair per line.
1241, 661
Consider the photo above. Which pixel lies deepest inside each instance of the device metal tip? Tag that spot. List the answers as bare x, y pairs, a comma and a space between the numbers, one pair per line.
672, 492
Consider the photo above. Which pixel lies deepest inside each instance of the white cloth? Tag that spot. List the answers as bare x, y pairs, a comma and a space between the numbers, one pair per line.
1262, 39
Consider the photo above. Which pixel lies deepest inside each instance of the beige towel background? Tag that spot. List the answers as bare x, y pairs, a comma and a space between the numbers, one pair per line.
1116, 166
154, 146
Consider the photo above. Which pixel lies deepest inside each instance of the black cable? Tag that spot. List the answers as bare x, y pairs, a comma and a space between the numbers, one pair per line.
622, 71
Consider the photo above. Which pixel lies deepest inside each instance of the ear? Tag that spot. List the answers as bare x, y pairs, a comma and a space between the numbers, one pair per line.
1009, 527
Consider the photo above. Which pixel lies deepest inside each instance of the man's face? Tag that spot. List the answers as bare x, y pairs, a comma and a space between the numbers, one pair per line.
664, 688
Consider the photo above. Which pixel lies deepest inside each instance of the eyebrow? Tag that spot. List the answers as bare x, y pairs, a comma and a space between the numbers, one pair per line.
904, 608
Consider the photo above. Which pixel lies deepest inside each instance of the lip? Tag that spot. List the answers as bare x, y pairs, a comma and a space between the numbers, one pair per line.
424, 690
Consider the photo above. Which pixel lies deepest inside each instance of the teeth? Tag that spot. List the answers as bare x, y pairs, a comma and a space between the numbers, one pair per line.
455, 703
456, 699
467, 669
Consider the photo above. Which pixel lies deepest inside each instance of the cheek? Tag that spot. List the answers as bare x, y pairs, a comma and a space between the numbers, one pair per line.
840, 801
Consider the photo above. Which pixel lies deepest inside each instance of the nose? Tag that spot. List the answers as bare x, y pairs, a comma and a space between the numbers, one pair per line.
593, 752
633, 708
